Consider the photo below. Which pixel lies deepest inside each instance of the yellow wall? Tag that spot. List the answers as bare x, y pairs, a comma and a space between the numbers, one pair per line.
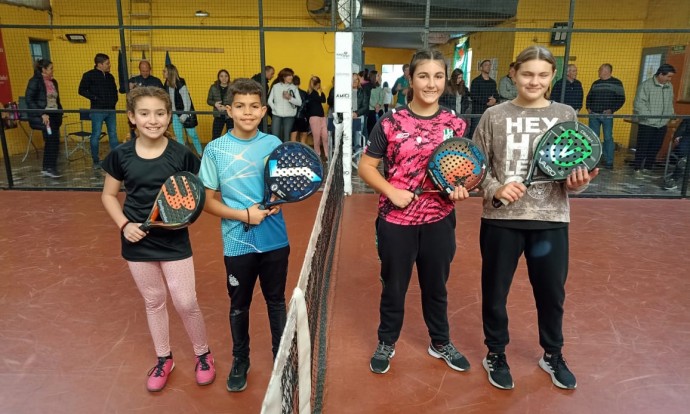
307, 53
379, 56
310, 53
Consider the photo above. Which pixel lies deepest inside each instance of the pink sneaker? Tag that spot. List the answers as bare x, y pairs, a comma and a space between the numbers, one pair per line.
158, 375
205, 369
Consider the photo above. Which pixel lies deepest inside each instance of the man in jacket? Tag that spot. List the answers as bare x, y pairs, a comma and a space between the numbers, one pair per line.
653, 108
605, 97
98, 86
573, 89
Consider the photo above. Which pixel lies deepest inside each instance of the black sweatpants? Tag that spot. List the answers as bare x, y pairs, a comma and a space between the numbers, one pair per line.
242, 272
546, 252
649, 140
431, 247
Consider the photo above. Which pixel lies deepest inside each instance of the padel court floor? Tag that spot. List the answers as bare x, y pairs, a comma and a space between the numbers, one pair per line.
74, 338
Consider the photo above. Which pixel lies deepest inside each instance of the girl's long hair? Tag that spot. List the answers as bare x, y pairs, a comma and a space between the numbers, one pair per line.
285, 72
173, 76
537, 53
152, 92
422, 55
217, 82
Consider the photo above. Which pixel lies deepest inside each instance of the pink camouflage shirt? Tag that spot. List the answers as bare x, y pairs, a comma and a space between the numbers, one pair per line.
405, 142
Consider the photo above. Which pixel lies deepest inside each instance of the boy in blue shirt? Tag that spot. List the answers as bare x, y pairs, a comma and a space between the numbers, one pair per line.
233, 165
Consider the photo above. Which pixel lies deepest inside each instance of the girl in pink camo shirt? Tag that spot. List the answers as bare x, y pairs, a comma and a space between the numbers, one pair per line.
414, 229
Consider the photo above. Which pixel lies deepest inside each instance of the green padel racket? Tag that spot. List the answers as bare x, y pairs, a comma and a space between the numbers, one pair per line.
561, 149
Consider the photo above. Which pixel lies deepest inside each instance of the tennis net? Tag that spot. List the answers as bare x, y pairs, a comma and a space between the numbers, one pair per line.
296, 384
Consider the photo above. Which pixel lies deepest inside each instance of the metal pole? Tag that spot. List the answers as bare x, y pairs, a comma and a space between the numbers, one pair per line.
123, 47
262, 58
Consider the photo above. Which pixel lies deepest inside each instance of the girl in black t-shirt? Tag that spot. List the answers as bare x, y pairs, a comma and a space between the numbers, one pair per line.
157, 257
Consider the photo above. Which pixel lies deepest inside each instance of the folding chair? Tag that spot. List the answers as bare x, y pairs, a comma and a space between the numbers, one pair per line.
81, 137
29, 132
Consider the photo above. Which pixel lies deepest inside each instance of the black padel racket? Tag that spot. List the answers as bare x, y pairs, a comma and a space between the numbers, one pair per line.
456, 162
178, 204
293, 172
561, 149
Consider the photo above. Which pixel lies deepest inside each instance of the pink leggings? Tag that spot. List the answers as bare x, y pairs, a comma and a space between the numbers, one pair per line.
179, 275
320, 133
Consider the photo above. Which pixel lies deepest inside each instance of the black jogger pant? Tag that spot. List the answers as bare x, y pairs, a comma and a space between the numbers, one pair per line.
431, 247
546, 253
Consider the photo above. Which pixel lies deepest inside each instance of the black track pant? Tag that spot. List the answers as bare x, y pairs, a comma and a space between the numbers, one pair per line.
546, 252
242, 272
431, 247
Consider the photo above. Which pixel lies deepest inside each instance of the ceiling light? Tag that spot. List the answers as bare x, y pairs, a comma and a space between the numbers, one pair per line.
201, 13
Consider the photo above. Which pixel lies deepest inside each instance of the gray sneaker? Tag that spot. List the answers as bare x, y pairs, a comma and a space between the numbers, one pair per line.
450, 354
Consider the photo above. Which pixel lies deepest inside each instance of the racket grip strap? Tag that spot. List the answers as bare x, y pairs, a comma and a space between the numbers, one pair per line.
122, 227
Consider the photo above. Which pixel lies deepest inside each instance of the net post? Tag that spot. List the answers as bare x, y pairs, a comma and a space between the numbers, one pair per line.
344, 96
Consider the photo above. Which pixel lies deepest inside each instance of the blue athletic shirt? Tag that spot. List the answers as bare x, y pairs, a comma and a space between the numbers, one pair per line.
235, 167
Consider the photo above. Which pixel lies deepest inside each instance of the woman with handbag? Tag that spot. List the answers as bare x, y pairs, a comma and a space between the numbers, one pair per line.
181, 101
283, 99
42, 93
219, 97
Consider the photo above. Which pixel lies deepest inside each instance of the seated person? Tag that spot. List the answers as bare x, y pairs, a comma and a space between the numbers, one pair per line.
679, 155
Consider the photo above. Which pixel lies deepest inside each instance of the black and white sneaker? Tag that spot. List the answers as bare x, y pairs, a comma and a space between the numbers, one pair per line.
381, 361
450, 354
556, 366
496, 365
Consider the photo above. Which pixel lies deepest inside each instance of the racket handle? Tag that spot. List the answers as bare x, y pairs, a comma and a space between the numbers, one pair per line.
498, 203
144, 227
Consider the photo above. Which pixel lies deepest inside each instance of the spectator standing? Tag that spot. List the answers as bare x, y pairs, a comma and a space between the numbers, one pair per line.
42, 93
219, 97
573, 89
98, 86
483, 91
317, 120
144, 78
269, 72
402, 86
507, 90
387, 96
181, 101
300, 129
605, 97
653, 108
284, 99
375, 99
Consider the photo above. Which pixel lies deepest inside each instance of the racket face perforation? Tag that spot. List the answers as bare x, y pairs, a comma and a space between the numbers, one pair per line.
565, 147
457, 162
179, 203
293, 173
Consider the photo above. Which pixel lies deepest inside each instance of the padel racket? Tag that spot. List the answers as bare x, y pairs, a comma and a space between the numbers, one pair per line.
456, 162
178, 204
561, 149
293, 172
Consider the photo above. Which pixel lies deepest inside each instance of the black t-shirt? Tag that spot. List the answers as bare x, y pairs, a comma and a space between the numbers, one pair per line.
143, 179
